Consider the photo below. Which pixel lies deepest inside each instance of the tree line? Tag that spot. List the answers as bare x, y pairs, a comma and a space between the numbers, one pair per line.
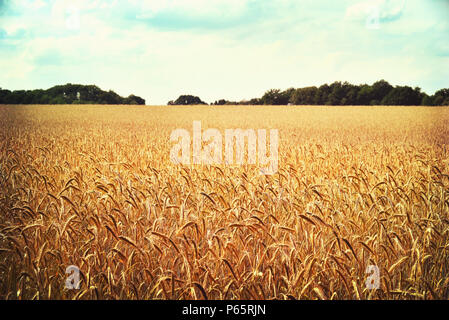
186, 100
338, 93
67, 94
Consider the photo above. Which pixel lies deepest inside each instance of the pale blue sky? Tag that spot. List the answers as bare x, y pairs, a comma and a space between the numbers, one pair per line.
233, 49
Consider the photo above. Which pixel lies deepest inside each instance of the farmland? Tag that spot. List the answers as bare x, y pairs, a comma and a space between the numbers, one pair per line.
94, 187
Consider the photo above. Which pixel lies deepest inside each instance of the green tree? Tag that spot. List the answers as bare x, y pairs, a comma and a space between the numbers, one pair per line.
441, 97
338, 92
304, 96
188, 100
220, 102
67, 94
380, 90
275, 97
365, 95
351, 95
427, 101
322, 94
403, 96
132, 99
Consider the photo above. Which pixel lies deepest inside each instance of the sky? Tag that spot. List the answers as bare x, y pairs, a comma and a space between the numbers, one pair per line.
231, 49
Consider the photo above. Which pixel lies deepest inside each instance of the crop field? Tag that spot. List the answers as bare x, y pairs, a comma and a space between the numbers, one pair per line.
358, 189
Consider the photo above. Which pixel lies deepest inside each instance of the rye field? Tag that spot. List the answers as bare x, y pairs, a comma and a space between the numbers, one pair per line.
358, 189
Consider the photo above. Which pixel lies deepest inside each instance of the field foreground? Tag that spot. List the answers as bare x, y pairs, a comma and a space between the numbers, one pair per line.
93, 187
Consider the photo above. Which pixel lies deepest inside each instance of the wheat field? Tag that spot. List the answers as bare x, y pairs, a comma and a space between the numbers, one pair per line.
93, 187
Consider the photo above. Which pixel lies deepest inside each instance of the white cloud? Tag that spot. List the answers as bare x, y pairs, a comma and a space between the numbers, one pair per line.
37, 4
385, 10
198, 7
130, 57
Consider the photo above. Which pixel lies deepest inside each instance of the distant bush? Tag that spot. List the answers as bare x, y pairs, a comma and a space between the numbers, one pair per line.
338, 93
187, 100
67, 94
